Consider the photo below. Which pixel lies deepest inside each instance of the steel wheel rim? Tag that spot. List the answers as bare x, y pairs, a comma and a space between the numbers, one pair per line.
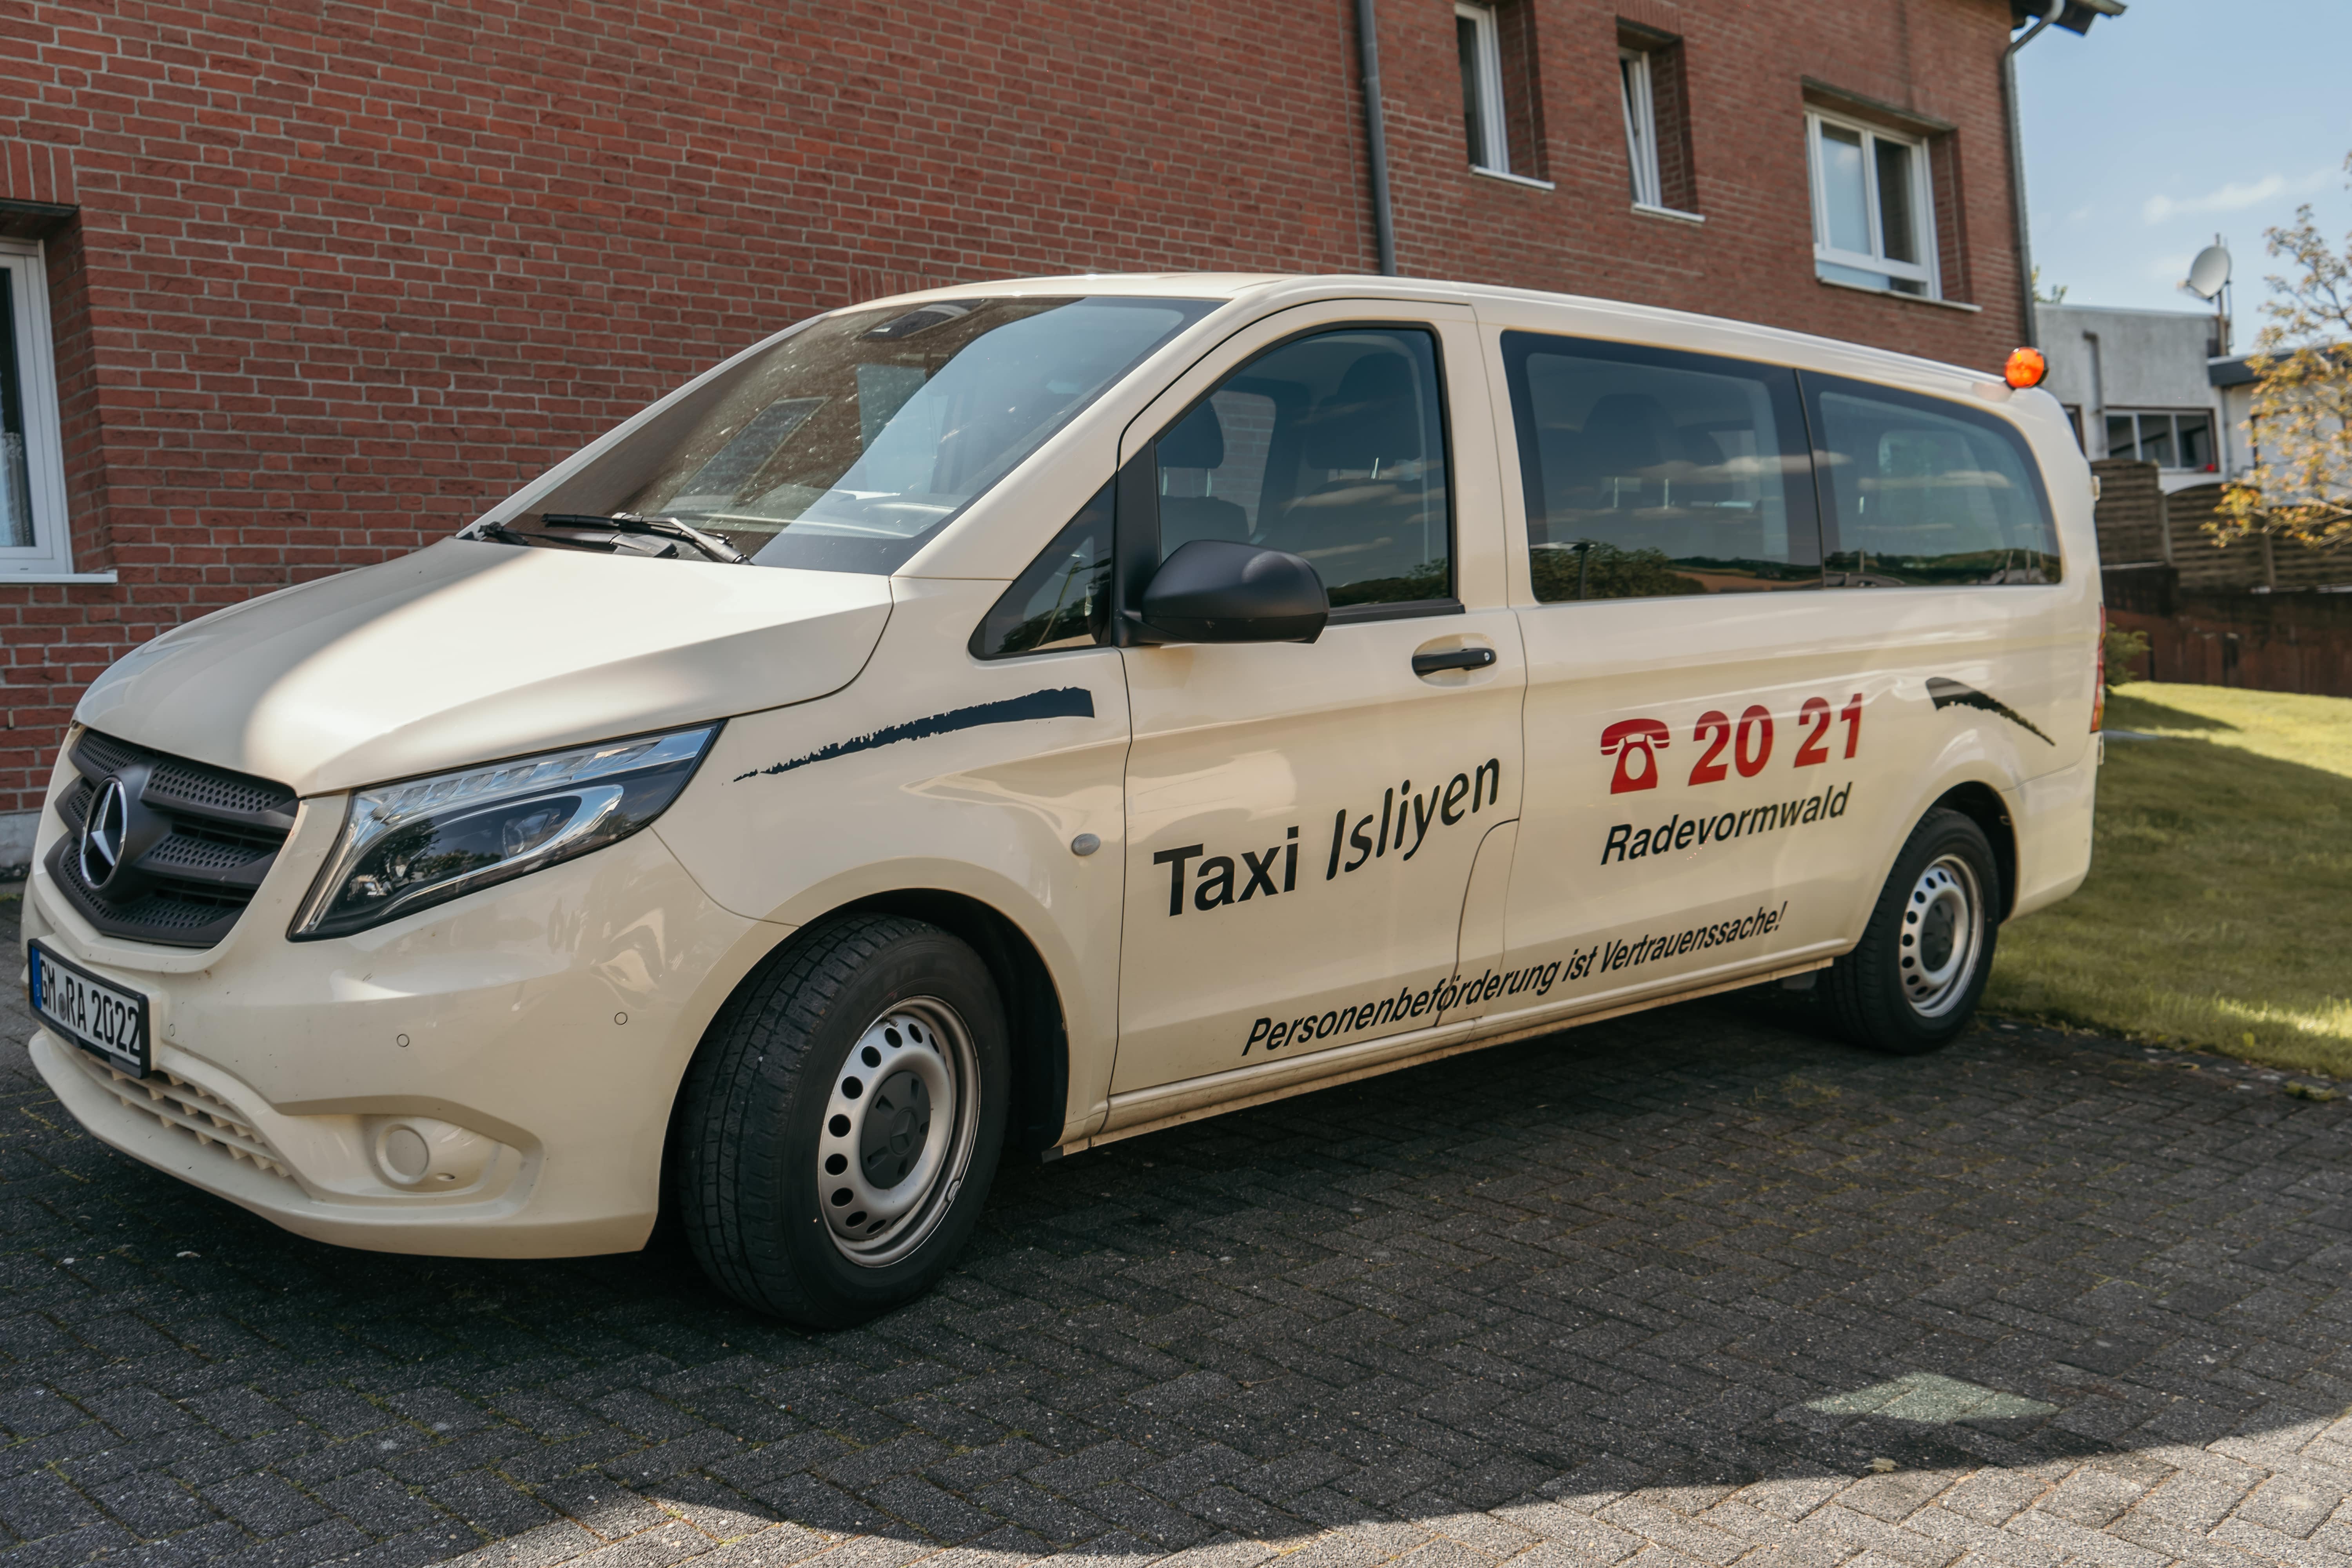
1943, 933
900, 1124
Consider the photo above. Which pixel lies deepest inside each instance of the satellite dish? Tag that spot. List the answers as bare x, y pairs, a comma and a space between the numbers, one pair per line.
2208, 272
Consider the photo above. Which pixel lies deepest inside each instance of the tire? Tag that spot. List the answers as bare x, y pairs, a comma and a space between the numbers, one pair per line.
1912, 984
840, 1124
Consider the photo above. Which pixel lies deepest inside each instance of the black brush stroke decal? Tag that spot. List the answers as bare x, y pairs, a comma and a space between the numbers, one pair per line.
1059, 702
1953, 694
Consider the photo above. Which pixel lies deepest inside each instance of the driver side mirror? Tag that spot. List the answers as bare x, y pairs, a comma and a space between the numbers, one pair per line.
1216, 590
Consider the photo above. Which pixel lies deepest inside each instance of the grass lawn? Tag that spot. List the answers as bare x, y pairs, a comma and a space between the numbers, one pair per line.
2219, 899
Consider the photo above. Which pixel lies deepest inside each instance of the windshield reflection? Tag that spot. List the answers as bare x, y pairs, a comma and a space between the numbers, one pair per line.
846, 445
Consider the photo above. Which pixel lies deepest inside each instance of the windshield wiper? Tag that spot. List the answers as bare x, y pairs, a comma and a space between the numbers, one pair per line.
608, 543
711, 544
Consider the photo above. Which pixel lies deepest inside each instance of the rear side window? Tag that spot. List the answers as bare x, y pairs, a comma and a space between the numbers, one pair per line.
1330, 446
1923, 492
1650, 472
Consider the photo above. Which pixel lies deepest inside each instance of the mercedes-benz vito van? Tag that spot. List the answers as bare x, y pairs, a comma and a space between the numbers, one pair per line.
1031, 714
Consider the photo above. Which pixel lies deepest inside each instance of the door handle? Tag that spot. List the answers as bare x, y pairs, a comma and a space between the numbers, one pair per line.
1452, 659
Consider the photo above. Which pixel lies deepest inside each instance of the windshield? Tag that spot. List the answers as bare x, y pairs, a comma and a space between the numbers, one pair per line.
846, 445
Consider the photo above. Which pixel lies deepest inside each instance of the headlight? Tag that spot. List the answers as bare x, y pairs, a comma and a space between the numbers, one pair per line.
421, 842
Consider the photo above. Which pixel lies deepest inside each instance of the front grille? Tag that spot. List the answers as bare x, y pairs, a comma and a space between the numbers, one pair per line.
203, 839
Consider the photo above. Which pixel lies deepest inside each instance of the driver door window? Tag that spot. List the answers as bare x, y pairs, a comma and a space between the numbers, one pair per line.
1331, 447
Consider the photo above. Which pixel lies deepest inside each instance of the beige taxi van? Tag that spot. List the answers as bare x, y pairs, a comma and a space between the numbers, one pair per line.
1016, 717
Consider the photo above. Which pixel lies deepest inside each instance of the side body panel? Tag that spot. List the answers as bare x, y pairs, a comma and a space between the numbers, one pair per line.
1796, 854
935, 771
1356, 789
1653, 878
2054, 816
1364, 791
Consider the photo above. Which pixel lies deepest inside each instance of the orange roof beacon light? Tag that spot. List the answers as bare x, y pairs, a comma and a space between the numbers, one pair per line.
2026, 367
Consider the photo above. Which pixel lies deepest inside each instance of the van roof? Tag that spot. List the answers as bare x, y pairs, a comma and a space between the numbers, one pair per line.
1632, 322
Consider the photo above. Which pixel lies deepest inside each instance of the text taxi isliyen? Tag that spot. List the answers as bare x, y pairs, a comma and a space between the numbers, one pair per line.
1014, 717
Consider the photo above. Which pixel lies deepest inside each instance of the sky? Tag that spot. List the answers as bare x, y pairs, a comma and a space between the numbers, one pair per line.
2180, 120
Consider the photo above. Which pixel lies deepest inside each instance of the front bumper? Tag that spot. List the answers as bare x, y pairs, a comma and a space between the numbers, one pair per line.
489, 1079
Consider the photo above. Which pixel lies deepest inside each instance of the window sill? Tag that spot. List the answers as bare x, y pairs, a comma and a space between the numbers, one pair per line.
1510, 179
1647, 210
1906, 298
1352, 614
8, 578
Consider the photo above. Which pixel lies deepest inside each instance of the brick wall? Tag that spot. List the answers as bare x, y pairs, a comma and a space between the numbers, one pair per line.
342, 273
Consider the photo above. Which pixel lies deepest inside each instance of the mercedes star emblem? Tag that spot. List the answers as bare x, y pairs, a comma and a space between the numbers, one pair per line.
103, 831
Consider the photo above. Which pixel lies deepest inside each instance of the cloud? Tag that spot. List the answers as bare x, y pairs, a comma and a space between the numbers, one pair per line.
2237, 195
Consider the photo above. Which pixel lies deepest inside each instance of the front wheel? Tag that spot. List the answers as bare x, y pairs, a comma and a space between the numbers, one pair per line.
1912, 984
841, 1122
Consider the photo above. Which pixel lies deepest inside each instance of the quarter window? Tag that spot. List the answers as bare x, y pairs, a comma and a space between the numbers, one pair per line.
32, 465
1921, 492
1873, 224
1478, 40
1330, 446
1061, 601
1650, 473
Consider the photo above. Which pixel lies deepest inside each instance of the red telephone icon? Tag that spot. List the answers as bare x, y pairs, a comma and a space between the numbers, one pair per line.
1630, 742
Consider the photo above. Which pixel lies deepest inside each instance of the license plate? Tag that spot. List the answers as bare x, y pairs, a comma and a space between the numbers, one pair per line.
98, 1015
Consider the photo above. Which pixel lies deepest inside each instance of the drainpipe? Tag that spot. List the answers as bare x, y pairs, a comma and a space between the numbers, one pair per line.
1376, 140
2050, 11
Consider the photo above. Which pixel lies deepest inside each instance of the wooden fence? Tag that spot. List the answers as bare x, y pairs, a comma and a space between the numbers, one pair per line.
2261, 614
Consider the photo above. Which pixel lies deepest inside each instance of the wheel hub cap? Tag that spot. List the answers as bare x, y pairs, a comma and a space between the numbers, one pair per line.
900, 1124
1943, 930
896, 1130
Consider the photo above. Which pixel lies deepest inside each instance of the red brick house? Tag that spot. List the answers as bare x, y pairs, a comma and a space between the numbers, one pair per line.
293, 288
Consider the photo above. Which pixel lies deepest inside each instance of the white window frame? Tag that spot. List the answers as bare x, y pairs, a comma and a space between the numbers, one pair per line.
1925, 273
1641, 126
52, 553
1493, 154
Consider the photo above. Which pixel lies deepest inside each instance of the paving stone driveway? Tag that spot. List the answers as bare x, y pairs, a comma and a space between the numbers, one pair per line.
1692, 1289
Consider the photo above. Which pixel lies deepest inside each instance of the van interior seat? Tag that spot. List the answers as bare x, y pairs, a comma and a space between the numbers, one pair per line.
1368, 437
1197, 443
1629, 436
1630, 458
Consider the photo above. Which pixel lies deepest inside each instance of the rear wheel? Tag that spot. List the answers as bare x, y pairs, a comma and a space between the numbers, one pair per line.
1912, 984
840, 1125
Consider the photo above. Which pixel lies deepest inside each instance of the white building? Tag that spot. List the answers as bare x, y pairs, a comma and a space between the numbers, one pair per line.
2140, 384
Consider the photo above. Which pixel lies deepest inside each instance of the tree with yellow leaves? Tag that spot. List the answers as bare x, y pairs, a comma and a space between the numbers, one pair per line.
2300, 488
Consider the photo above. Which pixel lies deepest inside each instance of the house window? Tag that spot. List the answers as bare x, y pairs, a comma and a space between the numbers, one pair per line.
1874, 220
32, 469
2168, 439
1652, 94
1480, 42
1641, 126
